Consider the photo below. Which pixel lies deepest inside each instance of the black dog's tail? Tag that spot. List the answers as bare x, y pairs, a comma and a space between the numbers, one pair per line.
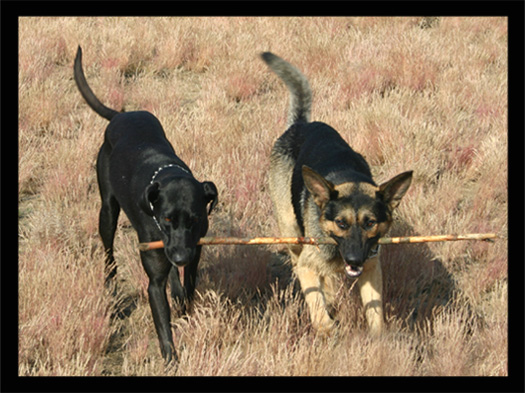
86, 91
300, 93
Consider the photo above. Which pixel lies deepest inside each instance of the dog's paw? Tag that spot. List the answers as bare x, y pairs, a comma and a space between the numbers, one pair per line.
376, 328
325, 325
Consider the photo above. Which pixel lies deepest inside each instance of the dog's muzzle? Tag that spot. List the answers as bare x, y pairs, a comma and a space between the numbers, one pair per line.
354, 270
179, 257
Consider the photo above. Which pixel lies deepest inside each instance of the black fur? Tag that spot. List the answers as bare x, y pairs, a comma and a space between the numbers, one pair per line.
320, 147
139, 172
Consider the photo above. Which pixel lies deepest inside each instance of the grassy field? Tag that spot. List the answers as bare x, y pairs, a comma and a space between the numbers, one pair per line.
408, 93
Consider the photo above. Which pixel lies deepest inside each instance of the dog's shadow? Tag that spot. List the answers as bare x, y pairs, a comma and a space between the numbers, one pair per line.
416, 284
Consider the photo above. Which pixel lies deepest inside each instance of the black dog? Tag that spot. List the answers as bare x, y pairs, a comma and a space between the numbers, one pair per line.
138, 171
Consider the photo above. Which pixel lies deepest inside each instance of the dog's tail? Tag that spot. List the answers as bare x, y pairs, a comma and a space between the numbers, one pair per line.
300, 93
86, 91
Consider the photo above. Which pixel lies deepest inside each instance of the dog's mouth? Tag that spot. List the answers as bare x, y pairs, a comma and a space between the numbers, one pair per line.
353, 271
181, 275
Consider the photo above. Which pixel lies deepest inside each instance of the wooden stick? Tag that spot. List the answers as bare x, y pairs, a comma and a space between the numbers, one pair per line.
207, 241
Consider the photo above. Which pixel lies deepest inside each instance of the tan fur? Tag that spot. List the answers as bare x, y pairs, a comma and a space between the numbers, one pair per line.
312, 287
280, 184
364, 188
371, 290
318, 276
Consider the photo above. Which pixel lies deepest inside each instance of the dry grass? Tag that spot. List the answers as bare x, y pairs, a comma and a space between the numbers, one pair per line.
428, 97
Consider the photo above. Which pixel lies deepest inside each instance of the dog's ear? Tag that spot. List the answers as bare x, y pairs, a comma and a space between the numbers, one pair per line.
321, 189
211, 194
393, 190
151, 194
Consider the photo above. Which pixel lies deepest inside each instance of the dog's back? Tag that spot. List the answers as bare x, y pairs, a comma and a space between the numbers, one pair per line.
315, 144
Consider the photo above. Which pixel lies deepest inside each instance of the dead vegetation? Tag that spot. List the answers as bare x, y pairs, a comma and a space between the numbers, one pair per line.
407, 93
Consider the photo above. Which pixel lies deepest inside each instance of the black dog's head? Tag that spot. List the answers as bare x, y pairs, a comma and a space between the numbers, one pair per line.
356, 214
180, 209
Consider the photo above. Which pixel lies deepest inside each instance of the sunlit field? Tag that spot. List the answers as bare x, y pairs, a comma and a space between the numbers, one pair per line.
421, 94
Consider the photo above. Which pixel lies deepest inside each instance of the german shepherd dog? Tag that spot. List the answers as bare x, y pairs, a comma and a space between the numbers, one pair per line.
320, 187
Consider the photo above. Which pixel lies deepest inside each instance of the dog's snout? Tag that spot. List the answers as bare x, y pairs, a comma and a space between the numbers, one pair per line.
352, 252
353, 259
180, 257
354, 265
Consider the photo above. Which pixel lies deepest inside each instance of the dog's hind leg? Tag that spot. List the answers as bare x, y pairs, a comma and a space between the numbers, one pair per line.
371, 288
109, 211
108, 220
280, 185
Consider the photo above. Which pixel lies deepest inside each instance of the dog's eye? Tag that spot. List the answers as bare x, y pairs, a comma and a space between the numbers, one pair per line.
341, 223
193, 220
369, 224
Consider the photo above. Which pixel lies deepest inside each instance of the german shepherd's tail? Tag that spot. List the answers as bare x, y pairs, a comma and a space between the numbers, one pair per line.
86, 91
300, 93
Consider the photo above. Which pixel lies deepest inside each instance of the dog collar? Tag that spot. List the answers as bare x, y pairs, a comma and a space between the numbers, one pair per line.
164, 167
153, 179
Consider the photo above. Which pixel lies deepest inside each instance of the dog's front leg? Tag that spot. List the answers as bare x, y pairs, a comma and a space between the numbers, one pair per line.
161, 317
313, 292
157, 268
190, 275
330, 289
183, 294
371, 288
178, 292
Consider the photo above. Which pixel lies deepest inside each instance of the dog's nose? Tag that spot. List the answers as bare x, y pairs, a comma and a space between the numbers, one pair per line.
181, 257
353, 260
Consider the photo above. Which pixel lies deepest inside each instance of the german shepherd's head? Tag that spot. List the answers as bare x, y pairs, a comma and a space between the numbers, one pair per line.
355, 214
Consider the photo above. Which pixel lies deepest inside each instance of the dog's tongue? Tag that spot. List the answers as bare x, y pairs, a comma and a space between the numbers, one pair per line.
181, 275
353, 271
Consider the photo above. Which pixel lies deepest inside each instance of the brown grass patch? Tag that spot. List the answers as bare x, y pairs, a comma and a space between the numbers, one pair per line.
408, 93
